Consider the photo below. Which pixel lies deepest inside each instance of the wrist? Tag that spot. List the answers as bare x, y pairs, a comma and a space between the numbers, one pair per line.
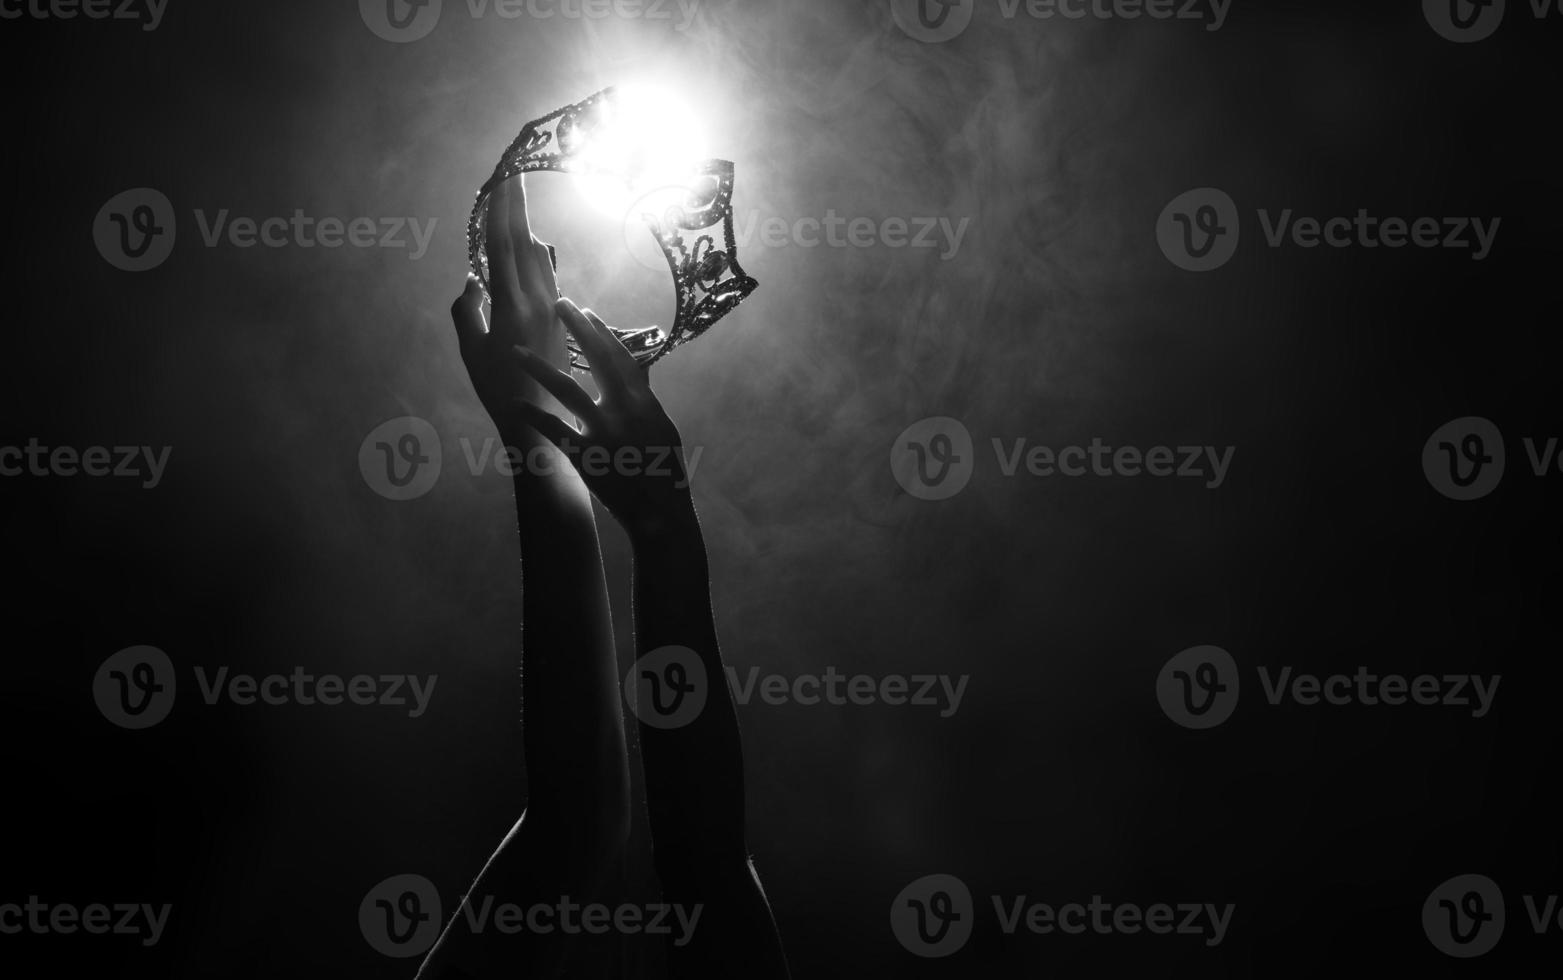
673, 523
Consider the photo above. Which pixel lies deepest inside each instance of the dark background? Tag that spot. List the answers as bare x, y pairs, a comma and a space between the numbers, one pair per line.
1058, 321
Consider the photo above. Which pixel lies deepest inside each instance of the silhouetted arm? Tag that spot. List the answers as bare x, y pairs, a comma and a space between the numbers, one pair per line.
694, 772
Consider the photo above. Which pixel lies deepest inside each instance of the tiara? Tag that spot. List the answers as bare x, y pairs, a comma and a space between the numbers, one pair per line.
707, 279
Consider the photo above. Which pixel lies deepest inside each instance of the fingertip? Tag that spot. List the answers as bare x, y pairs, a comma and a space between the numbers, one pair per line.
519, 223
499, 202
471, 297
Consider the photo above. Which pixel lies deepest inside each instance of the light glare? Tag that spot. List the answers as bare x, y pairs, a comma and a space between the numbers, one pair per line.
650, 139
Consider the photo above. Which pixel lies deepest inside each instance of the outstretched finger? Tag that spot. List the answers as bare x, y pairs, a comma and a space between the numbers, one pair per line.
621, 355
575, 399
503, 283
534, 267
548, 425
605, 368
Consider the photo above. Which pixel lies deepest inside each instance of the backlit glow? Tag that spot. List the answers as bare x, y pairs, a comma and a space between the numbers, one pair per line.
650, 139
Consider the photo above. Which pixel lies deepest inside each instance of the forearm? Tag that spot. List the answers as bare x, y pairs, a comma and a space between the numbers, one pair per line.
574, 728
694, 773
576, 816
697, 803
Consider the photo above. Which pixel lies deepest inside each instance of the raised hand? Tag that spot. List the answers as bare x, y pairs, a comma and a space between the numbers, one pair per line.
627, 449
523, 292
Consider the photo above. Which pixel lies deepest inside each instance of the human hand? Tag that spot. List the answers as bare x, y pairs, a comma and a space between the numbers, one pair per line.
627, 450
523, 292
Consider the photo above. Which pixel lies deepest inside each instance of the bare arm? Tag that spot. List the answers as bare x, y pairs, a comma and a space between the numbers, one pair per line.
694, 770
577, 809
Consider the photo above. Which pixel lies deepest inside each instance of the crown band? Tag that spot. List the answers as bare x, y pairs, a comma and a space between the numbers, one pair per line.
708, 282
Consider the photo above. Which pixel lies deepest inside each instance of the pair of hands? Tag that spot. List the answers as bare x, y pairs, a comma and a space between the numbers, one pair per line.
626, 449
